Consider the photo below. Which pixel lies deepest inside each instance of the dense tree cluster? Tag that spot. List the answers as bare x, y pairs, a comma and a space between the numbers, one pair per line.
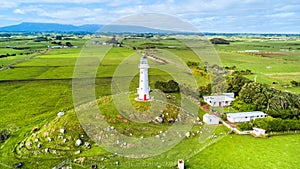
219, 41
235, 83
168, 87
274, 102
295, 83
277, 124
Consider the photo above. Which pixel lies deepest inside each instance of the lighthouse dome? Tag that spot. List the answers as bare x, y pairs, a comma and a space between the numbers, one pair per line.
144, 60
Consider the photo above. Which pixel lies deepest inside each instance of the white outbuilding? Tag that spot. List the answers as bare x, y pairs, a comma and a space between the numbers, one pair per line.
258, 132
245, 116
220, 100
210, 119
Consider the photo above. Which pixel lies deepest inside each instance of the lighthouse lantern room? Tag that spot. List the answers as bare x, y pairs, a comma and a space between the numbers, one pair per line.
144, 89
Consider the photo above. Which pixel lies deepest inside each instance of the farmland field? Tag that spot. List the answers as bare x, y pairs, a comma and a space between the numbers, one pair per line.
36, 89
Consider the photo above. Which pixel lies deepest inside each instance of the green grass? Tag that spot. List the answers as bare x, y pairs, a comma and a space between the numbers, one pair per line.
247, 152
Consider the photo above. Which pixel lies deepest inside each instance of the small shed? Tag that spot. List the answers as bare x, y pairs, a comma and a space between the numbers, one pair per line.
210, 119
258, 132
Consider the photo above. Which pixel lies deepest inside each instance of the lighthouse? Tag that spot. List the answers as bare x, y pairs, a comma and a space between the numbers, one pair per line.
144, 89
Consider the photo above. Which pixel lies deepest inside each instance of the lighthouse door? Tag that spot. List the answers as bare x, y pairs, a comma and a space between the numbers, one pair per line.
145, 97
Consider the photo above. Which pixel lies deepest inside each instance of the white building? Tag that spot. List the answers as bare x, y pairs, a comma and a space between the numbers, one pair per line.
220, 100
210, 119
245, 116
144, 89
258, 132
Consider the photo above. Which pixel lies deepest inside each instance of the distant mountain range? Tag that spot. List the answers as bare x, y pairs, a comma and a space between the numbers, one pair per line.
30, 27
54, 27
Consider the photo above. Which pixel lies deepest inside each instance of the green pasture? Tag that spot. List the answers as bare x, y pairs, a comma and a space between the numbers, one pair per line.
34, 91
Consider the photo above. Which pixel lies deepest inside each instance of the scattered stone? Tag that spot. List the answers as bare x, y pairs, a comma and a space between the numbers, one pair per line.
188, 134
142, 137
198, 119
94, 166
33, 134
78, 142
65, 140
60, 114
54, 152
62, 131
117, 162
36, 140
35, 129
112, 128
49, 139
157, 136
39, 146
130, 134
46, 150
163, 141
164, 135
118, 142
77, 152
124, 144
28, 144
160, 131
60, 137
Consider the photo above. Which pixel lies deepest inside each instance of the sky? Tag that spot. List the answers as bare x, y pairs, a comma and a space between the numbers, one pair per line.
250, 16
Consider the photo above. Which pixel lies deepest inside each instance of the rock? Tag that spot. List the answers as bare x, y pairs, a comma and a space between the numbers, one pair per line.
163, 141
87, 145
46, 150
157, 136
28, 144
78, 142
77, 152
39, 146
65, 140
36, 140
49, 139
188, 134
117, 162
62, 131
124, 144
112, 128
54, 152
59, 114
118, 142
198, 119
130, 134
142, 137
60, 137
159, 119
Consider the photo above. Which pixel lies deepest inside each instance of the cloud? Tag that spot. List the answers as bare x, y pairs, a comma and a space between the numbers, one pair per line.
281, 15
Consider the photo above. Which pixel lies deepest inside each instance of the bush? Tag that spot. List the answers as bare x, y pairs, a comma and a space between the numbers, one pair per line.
244, 126
169, 87
4, 135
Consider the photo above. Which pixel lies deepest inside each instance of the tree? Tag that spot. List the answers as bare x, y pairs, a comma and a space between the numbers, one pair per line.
69, 44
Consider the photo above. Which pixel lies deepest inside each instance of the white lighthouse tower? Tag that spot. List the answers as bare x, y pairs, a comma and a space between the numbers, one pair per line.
144, 89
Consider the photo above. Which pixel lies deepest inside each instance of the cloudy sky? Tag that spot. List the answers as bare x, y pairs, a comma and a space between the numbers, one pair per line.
257, 16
